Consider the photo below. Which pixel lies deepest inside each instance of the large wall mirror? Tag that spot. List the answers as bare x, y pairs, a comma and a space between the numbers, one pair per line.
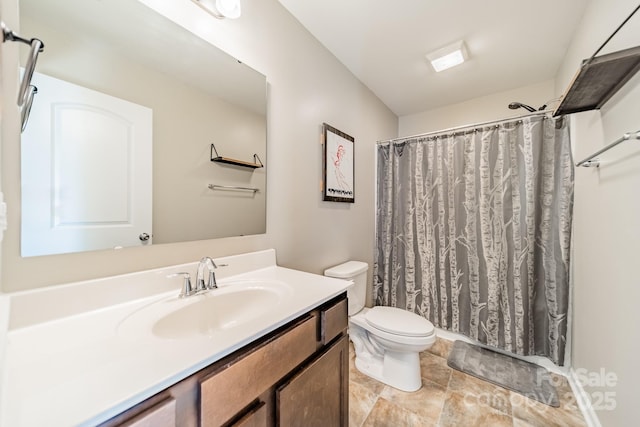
121, 128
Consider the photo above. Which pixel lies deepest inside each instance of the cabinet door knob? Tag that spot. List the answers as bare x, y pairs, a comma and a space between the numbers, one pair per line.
144, 237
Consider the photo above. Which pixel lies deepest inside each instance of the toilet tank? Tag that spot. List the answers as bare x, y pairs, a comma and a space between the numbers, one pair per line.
356, 271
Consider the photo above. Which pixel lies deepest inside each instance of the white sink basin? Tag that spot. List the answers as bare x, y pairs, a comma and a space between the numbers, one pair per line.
205, 315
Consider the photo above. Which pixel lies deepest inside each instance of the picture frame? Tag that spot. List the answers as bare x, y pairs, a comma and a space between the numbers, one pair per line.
338, 165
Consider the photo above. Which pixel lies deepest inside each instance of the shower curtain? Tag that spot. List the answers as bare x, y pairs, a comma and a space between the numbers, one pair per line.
473, 232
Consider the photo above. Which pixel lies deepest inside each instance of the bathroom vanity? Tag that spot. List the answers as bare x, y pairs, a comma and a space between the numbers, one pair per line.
268, 347
295, 376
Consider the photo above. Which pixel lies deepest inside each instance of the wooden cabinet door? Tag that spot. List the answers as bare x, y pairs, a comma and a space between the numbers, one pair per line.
256, 417
318, 395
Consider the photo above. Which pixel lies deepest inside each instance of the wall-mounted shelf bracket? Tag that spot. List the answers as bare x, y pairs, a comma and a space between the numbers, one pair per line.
600, 77
257, 163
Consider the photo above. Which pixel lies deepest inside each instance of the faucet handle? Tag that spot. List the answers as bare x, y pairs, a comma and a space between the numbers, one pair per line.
186, 284
212, 284
212, 280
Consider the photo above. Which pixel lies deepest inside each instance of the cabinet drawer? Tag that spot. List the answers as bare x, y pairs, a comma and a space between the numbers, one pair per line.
227, 392
161, 415
333, 321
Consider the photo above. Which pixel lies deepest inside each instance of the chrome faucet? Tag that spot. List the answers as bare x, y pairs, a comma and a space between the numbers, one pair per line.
211, 266
187, 290
201, 286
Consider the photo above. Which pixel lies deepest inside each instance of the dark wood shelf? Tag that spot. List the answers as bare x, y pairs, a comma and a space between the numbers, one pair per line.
230, 161
227, 160
598, 80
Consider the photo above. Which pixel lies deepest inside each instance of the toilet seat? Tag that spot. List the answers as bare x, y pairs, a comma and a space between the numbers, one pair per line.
399, 322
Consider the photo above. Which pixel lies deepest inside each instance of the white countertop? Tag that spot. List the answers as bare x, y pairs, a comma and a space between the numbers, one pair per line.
78, 369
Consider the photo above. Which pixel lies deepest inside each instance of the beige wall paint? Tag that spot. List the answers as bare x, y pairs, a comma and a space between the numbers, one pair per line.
307, 86
606, 287
478, 110
6, 90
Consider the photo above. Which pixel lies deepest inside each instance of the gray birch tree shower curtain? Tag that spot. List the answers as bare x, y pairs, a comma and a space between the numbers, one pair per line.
473, 232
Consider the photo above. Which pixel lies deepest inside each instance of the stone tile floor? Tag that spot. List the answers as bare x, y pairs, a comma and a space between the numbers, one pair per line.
449, 398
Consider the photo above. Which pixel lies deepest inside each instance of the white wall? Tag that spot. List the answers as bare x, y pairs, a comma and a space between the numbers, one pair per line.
307, 86
607, 223
478, 110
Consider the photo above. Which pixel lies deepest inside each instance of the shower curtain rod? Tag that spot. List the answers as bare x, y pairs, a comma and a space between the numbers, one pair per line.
482, 124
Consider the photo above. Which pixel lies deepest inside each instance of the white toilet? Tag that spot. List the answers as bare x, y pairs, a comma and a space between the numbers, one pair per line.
387, 340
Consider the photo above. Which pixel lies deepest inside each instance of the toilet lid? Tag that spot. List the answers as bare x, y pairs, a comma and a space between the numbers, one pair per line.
399, 322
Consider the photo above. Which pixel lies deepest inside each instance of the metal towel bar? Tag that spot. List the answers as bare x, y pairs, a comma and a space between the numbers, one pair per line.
232, 187
36, 47
592, 161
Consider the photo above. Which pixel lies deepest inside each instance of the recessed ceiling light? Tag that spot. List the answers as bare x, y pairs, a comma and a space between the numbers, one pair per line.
448, 56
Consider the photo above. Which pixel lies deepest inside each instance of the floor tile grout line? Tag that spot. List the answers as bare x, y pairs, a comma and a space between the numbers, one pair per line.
446, 389
442, 408
445, 399
370, 410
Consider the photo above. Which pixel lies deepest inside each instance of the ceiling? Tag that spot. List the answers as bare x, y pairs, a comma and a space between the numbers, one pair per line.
159, 44
511, 43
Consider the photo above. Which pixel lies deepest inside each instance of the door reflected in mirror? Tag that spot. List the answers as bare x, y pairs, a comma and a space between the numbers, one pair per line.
193, 95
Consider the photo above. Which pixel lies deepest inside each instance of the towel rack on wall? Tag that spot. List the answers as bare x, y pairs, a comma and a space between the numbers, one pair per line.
232, 187
593, 161
27, 90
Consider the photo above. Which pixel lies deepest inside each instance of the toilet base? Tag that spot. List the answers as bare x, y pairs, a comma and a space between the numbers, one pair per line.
398, 370
391, 359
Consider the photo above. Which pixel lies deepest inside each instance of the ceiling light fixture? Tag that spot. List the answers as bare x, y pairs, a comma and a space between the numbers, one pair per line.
448, 56
221, 8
